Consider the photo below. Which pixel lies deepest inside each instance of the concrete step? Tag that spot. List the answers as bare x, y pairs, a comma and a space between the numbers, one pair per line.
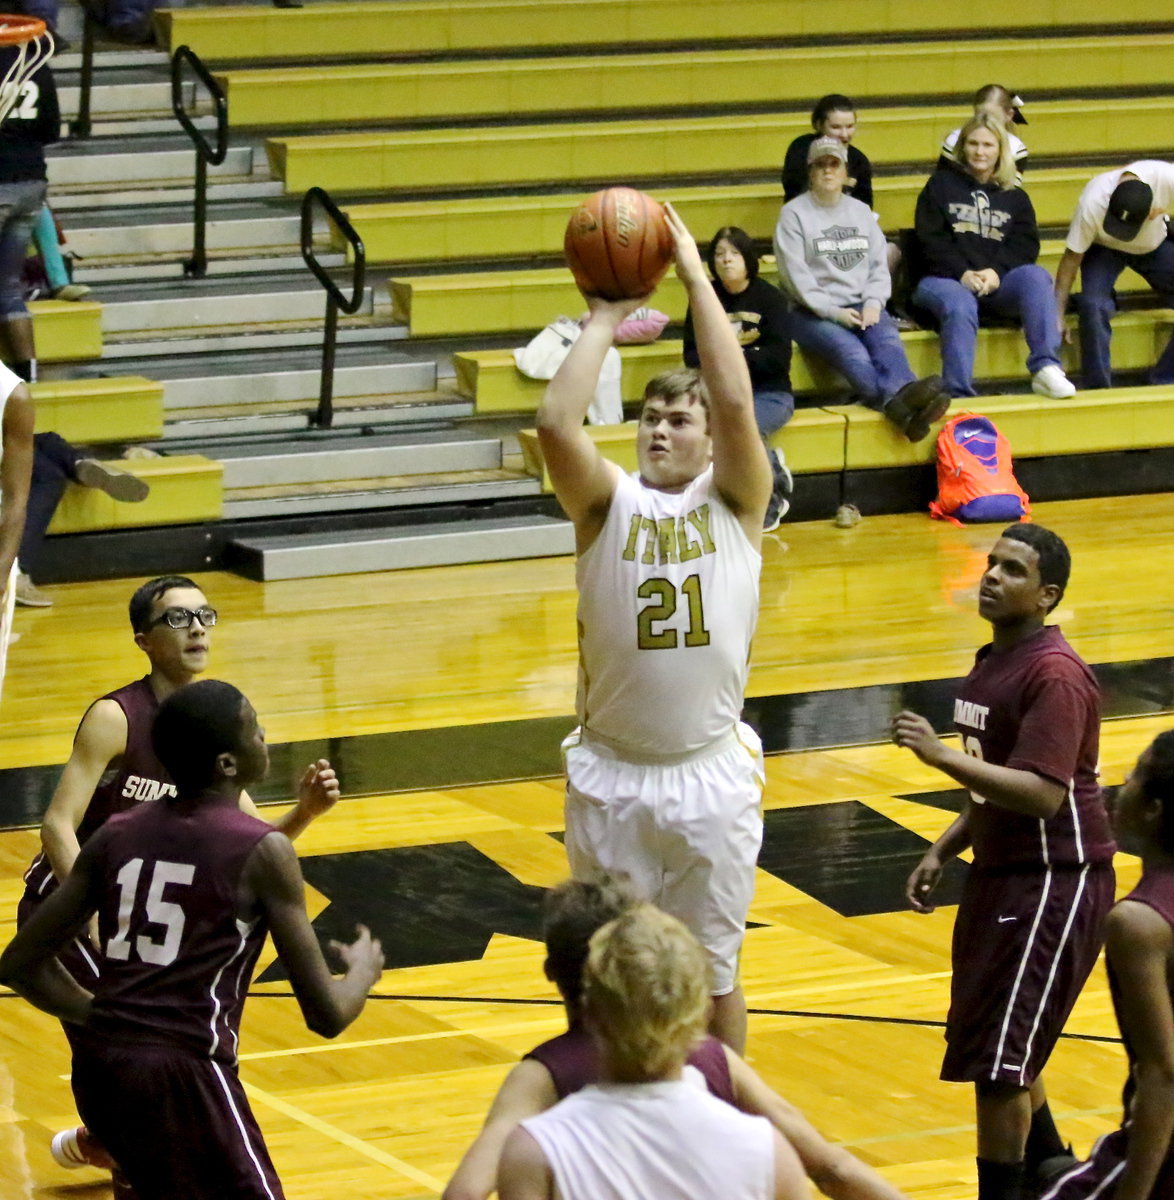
120, 237
328, 457
221, 340
204, 390
125, 98
204, 308
367, 412
221, 263
86, 165
308, 556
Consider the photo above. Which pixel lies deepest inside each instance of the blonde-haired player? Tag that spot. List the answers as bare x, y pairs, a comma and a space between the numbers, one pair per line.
663, 782
647, 1130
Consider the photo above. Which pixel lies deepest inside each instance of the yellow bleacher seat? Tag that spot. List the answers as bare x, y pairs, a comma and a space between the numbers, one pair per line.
455, 26
516, 87
740, 144
100, 410
184, 489
67, 330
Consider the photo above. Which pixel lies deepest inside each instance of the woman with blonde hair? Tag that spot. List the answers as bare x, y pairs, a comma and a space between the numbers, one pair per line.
978, 242
647, 1130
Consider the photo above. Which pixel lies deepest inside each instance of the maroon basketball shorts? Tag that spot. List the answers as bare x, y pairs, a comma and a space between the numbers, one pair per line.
178, 1125
1097, 1178
1024, 944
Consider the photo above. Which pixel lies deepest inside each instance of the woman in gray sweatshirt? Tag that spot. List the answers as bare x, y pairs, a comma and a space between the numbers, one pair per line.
832, 262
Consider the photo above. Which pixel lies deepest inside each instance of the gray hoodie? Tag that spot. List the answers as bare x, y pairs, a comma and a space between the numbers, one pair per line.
831, 256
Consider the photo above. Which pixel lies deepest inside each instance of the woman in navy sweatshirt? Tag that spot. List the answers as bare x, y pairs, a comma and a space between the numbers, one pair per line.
978, 241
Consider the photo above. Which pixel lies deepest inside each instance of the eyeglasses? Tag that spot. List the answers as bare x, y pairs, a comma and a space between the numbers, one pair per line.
181, 618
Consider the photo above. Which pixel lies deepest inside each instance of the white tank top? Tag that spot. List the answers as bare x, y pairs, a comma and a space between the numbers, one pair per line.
668, 601
670, 1140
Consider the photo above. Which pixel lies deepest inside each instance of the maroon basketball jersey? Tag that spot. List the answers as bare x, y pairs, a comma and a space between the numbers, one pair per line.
1036, 707
176, 960
573, 1062
136, 775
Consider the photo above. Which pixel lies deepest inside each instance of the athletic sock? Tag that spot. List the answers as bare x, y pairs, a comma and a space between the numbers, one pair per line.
1043, 1139
999, 1181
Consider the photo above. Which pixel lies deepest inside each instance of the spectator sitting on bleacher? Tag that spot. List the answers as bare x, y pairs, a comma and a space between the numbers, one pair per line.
832, 116
978, 243
56, 463
1120, 221
831, 256
1005, 107
758, 313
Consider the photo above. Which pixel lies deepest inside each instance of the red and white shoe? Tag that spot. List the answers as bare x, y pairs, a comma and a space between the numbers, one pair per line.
79, 1148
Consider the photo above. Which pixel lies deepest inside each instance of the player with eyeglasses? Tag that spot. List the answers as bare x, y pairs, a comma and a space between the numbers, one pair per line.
113, 767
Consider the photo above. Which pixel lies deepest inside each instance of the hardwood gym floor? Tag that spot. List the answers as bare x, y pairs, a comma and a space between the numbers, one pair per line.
442, 694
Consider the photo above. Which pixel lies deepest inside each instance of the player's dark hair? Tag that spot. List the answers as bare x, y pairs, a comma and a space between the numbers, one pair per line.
1157, 783
1055, 562
826, 105
571, 913
741, 241
144, 598
194, 725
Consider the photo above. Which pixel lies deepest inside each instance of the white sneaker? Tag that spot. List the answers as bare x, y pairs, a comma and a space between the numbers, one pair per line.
1052, 382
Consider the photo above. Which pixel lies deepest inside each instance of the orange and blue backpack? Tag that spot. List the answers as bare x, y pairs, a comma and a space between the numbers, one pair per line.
975, 478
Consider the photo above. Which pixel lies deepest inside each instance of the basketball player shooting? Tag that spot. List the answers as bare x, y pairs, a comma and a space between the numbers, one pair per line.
663, 781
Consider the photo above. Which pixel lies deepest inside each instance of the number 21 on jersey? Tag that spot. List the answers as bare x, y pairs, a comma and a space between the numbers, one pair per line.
665, 598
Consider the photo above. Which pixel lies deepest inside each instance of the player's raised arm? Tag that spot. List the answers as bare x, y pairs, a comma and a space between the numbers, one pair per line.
328, 1004
583, 479
741, 471
318, 793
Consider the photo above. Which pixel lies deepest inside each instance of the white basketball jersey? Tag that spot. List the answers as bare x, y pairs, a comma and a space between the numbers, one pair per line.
668, 600
670, 1140
8, 381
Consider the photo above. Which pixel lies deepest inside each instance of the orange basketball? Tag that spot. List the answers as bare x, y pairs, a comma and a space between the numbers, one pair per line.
617, 244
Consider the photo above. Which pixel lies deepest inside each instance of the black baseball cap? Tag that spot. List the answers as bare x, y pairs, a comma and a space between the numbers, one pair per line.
1129, 208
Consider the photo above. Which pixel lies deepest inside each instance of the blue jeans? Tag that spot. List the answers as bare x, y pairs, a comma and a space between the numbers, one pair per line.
772, 410
1025, 292
872, 360
19, 205
1098, 303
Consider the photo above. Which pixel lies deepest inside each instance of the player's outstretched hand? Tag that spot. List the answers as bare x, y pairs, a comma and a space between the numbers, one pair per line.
922, 882
690, 268
363, 956
913, 732
318, 790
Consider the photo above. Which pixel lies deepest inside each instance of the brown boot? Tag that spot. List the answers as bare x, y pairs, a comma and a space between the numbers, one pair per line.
917, 406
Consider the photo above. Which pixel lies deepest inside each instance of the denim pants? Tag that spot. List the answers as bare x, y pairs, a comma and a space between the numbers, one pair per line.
772, 410
1025, 292
872, 360
20, 203
54, 465
1098, 302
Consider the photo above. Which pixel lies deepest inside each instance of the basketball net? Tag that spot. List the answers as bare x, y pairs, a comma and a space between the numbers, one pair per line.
25, 46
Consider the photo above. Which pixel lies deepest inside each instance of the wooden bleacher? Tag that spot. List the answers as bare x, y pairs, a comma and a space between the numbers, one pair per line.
93, 411
66, 330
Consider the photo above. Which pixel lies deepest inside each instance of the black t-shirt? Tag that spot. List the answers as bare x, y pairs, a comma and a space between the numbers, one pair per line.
761, 320
33, 122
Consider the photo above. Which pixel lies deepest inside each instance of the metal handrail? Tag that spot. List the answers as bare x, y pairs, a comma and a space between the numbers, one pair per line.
82, 124
207, 154
336, 300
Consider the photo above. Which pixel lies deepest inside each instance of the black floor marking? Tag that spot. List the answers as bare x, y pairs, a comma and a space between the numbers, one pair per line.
503, 751
849, 857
